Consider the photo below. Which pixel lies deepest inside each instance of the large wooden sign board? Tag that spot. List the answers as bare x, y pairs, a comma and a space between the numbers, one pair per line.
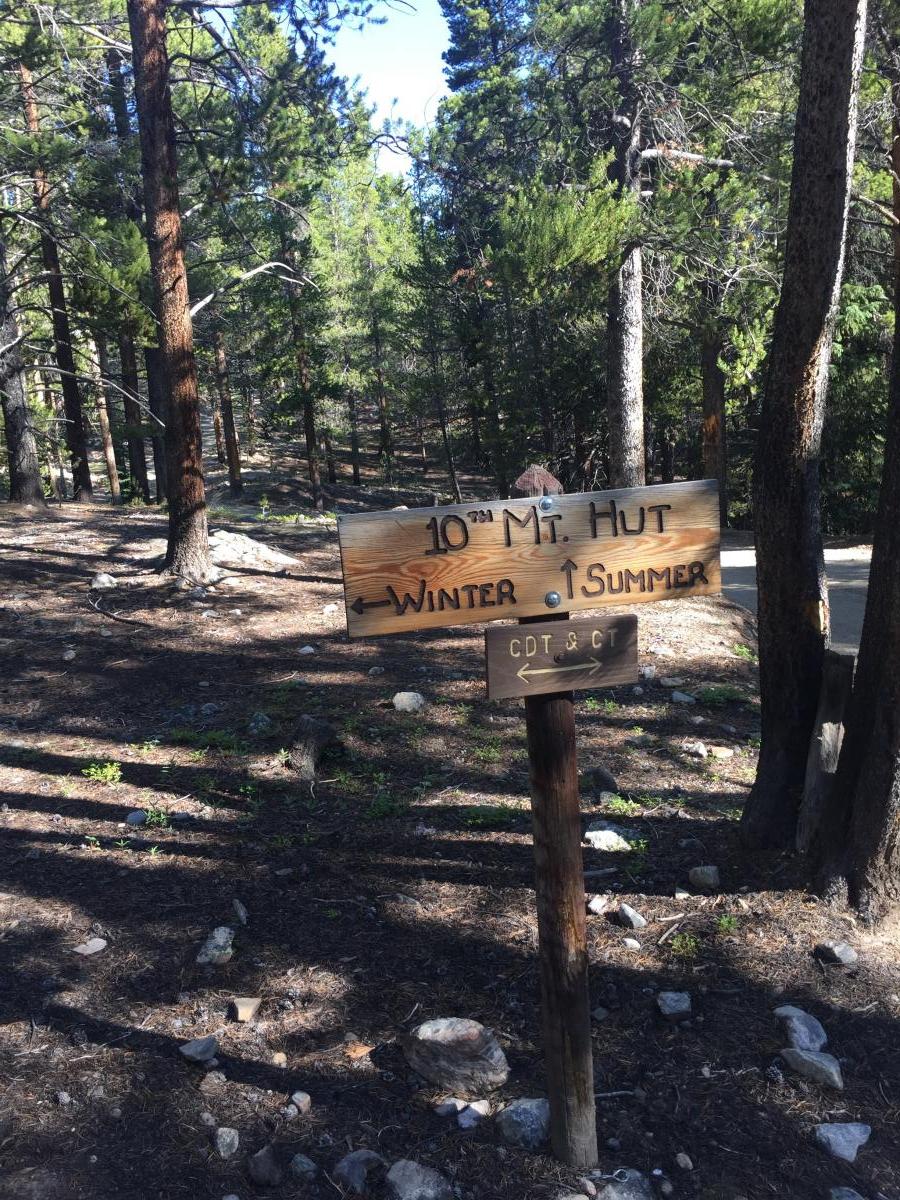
558, 656
427, 568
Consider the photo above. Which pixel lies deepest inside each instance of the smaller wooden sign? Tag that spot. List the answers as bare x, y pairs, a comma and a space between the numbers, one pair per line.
558, 656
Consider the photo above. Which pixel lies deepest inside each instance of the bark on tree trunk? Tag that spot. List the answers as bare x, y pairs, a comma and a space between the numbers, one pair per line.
625, 322
101, 376
137, 460
156, 398
217, 431
715, 460
232, 450
188, 544
25, 485
862, 853
354, 435
76, 433
53, 403
304, 380
330, 467
793, 598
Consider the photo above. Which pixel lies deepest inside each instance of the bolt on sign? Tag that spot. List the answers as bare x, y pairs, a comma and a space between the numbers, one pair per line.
426, 568
557, 656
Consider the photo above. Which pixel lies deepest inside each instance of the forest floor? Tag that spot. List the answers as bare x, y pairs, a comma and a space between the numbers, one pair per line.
397, 889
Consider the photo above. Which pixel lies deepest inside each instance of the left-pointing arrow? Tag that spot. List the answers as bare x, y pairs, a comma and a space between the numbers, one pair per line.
359, 605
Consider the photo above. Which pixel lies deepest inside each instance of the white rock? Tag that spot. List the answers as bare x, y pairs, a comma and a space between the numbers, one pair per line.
721, 752
473, 1114
683, 1161
820, 1068
843, 1139
648, 672
631, 943
630, 917
226, 1141
525, 1123
705, 878
68, 655
671, 681
408, 1180
695, 749
409, 702
598, 905
449, 1107
102, 582
302, 1101
92, 946
217, 949
803, 1031
306, 650
603, 835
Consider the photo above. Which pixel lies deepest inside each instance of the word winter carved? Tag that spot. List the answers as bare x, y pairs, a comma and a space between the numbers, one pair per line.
432, 567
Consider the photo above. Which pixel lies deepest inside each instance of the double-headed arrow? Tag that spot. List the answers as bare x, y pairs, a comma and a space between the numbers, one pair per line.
526, 671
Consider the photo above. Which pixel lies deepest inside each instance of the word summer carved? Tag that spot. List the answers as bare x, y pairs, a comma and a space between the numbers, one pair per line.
418, 568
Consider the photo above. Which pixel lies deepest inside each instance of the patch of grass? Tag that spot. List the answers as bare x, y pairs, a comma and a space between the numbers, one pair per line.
639, 849
720, 693
685, 945
607, 706
208, 739
103, 772
382, 806
491, 749
146, 747
726, 923
490, 816
158, 817
282, 841
622, 807
745, 652
754, 742
153, 851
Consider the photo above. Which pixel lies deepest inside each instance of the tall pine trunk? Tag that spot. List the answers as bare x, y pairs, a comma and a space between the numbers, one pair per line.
354, 434
625, 317
137, 460
232, 450
791, 588
25, 485
862, 852
156, 399
187, 553
712, 377
100, 371
75, 431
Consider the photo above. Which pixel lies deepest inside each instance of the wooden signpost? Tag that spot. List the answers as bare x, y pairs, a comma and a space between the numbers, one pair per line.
537, 560
560, 655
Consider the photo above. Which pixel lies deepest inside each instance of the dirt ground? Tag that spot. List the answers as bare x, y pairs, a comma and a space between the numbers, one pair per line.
396, 889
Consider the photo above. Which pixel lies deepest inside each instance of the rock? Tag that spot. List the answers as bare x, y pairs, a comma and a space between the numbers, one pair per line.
217, 949
233, 548
207, 1119
631, 1185
704, 879
138, 817
683, 698
671, 681
674, 1006
63, 1099
598, 905
212, 1083
721, 752
599, 779
631, 943
525, 1123
289, 1112
302, 1101
681, 893
245, 1008
803, 1031
820, 1068
68, 655
102, 582
449, 1107
353, 1170
199, 1050
263, 1167
279, 1059
603, 835
409, 702
840, 953
259, 724
303, 1168
600, 1014
408, 1180
630, 917
843, 1139
92, 946
226, 1141
473, 1114
695, 749
841, 1193
374, 672
648, 672
683, 1161
240, 911
637, 690
457, 1053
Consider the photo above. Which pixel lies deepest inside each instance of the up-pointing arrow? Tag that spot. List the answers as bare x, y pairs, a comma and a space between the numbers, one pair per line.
569, 566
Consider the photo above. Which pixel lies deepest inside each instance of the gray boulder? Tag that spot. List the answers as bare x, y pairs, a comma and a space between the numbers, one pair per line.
409, 702
199, 1050
263, 1167
457, 1054
103, 582
802, 1031
674, 1006
525, 1123
353, 1170
217, 949
630, 917
839, 953
260, 724
408, 1180
303, 1168
844, 1194
603, 835
843, 1139
823, 1069
599, 779
628, 1185
705, 878
226, 1141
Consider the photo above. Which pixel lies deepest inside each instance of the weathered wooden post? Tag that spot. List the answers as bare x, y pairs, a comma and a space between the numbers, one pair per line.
560, 898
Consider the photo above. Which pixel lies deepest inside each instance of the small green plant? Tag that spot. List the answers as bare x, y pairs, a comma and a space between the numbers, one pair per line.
719, 693
103, 772
93, 843
685, 945
153, 851
208, 739
489, 816
490, 751
382, 806
332, 914
754, 742
284, 757
159, 817
146, 747
745, 652
264, 507
622, 807
122, 843
282, 841
726, 923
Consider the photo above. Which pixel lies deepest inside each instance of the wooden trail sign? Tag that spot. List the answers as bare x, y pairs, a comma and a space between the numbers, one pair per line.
555, 656
427, 568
